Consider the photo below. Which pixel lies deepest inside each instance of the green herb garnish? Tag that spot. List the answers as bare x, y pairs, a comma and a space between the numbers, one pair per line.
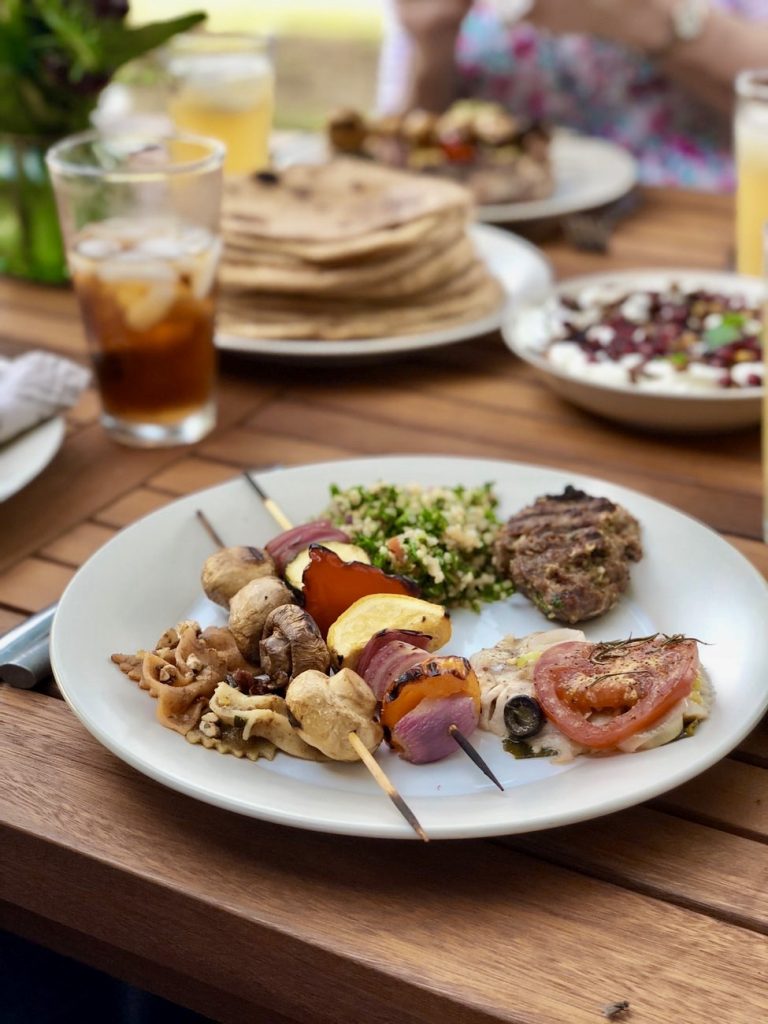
730, 330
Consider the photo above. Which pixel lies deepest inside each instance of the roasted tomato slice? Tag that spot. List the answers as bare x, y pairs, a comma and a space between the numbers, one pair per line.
331, 585
635, 682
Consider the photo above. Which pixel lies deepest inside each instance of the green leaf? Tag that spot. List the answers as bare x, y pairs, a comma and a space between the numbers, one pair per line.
78, 35
724, 334
123, 44
678, 359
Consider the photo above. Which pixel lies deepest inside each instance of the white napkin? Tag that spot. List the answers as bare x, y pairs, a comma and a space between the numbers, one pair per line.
34, 387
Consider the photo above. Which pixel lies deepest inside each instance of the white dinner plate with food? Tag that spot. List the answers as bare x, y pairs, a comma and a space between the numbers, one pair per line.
689, 581
521, 268
588, 172
711, 382
24, 457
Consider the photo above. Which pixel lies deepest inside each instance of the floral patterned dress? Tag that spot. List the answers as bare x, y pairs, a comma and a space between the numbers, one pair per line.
593, 86
600, 88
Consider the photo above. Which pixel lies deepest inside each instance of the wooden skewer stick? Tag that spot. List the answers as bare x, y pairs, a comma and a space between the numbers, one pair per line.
365, 756
473, 754
271, 506
209, 528
376, 771
282, 519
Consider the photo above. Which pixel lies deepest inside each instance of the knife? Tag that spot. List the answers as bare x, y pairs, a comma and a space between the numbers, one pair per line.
24, 656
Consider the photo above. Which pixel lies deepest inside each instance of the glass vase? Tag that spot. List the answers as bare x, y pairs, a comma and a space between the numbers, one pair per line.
30, 239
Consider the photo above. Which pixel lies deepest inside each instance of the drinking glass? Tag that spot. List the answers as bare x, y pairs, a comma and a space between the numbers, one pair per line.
751, 147
222, 85
140, 220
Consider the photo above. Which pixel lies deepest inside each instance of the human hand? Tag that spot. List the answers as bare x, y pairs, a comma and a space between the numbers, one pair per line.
641, 26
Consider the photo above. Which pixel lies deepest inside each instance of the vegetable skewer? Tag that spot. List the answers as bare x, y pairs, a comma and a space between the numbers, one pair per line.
378, 774
271, 506
459, 738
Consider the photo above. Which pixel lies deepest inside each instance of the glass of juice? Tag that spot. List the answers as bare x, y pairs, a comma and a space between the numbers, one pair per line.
222, 85
140, 219
751, 148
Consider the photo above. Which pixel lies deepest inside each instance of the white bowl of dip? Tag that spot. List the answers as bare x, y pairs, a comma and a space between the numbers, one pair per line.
663, 398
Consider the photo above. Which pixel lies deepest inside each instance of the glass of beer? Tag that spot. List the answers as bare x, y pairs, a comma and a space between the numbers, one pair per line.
140, 219
222, 85
751, 148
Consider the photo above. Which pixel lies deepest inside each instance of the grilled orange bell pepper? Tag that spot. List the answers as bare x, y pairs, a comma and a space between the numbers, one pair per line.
432, 678
331, 585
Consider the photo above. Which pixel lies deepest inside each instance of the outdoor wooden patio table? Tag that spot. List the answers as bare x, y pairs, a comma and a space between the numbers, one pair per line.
664, 905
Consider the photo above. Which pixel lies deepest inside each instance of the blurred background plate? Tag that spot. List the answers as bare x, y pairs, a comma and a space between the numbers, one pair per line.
526, 333
588, 173
520, 267
22, 458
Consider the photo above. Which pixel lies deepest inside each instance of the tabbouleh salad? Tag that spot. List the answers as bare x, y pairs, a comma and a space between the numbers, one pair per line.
442, 537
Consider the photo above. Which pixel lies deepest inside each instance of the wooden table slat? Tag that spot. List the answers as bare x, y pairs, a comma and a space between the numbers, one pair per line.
390, 912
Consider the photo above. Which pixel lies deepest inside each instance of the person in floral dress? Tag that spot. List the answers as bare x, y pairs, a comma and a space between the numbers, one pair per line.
612, 68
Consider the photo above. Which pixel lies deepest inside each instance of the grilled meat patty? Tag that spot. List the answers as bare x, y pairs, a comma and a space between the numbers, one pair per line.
570, 554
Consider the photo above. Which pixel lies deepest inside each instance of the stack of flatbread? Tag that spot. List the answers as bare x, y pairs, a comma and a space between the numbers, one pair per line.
349, 249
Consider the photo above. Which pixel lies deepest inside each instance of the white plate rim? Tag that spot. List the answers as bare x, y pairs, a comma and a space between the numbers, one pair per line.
488, 239
479, 811
643, 277
35, 448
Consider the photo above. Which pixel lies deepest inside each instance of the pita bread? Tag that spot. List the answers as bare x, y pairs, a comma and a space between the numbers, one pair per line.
473, 295
414, 272
374, 244
338, 200
349, 249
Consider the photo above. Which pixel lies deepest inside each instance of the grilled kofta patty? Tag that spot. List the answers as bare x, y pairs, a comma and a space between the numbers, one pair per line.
570, 554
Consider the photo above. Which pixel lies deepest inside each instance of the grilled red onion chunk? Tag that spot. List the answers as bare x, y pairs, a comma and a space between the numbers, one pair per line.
375, 646
389, 663
422, 735
286, 546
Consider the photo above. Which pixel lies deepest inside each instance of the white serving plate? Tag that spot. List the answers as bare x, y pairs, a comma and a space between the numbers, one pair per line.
148, 578
526, 334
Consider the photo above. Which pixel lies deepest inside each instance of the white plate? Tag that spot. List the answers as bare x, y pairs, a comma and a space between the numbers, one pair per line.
588, 172
22, 458
526, 334
520, 267
148, 577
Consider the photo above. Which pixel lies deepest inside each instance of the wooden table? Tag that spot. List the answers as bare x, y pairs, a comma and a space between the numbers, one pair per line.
665, 905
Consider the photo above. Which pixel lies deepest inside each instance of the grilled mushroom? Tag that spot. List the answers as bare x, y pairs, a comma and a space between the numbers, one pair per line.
230, 569
249, 610
327, 710
291, 644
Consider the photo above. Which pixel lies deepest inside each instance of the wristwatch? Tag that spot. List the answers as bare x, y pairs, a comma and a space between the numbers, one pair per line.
688, 19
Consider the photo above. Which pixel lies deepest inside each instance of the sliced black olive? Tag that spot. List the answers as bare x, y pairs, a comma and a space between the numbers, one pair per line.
267, 177
523, 717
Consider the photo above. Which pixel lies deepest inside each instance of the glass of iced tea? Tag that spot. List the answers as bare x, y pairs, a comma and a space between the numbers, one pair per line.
222, 85
140, 218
